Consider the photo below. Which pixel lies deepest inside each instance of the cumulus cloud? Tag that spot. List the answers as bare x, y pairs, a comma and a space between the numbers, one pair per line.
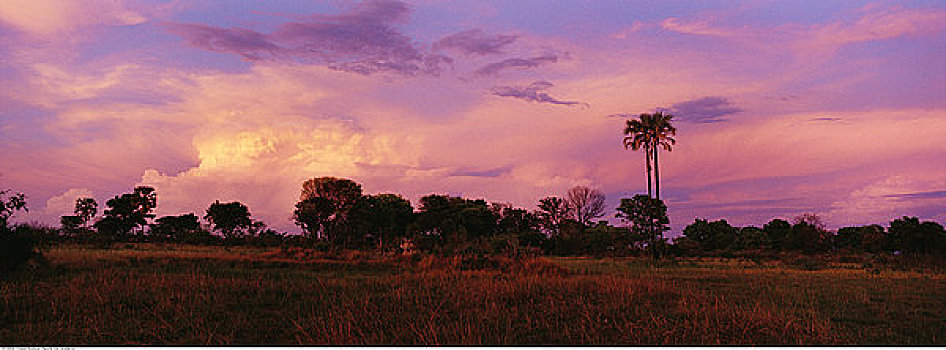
534, 92
65, 203
364, 40
892, 197
711, 109
476, 42
532, 62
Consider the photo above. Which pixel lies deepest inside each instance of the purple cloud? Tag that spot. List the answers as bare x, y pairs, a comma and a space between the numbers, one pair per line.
535, 92
363, 40
711, 109
496, 67
475, 42
918, 195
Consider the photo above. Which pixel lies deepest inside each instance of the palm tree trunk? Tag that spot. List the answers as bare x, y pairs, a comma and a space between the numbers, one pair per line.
656, 173
650, 192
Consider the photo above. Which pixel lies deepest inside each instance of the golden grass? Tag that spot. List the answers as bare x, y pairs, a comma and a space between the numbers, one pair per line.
206, 295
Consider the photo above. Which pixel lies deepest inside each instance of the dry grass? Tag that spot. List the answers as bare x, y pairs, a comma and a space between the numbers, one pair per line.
186, 295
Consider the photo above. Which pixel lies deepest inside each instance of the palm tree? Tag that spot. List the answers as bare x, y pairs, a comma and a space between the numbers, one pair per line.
639, 137
661, 132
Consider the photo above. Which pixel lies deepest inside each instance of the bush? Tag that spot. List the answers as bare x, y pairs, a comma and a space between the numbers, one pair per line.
17, 248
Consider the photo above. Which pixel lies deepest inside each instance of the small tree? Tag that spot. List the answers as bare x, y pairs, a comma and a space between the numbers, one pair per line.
646, 216
180, 228
586, 204
85, 210
231, 219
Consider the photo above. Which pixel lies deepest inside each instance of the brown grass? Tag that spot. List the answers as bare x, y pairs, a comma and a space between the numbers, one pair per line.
195, 296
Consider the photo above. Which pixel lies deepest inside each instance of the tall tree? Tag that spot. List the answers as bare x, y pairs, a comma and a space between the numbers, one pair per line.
10, 205
639, 137
343, 193
229, 218
585, 203
663, 131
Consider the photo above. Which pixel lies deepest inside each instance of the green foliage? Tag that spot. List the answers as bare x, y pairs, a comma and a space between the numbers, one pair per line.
231, 219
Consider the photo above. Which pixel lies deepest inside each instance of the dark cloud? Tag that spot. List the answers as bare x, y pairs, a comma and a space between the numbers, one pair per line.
496, 67
535, 92
919, 195
495, 172
244, 42
711, 109
475, 42
363, 40
826, 119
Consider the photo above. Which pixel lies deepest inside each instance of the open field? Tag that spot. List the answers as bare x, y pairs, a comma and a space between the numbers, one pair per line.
155, 294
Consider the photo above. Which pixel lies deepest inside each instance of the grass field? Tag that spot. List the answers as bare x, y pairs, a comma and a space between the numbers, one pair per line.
153, 294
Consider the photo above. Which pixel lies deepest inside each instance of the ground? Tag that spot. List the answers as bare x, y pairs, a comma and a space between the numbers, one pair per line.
176, 294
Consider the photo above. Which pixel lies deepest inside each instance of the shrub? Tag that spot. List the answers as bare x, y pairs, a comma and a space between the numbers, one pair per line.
17, 248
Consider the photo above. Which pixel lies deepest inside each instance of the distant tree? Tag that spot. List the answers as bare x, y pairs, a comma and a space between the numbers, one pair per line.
909, 235
751, 237
808, 234
452, 221
873, 238
313, 216
86, 208
778, 231
384, 216
180, 228
553, 211
343, 193
646, 216
71, 223
586, 204
10, 204
712, 235
231, 219
127, 212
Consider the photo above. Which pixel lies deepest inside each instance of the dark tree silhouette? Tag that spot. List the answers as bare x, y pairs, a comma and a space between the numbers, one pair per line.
662, 132
384, 216
585, 204
343, 193
10, 205
640, 138
646, 216
553, 211
180, 228
86, 208
650, 133
313, 216
127, 212
231, 219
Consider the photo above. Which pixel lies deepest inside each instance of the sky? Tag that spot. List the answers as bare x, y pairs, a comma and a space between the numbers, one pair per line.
782, 107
